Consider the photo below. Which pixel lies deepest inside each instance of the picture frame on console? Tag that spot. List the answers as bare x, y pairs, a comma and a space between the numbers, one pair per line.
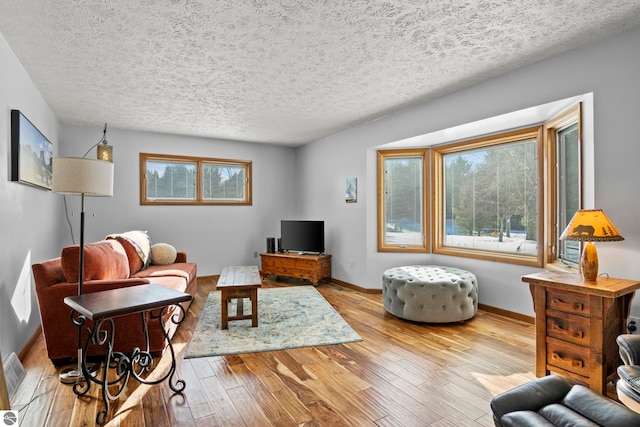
31, 153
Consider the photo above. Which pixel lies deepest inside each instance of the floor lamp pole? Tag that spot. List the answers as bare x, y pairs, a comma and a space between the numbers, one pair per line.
75, 375
80, 281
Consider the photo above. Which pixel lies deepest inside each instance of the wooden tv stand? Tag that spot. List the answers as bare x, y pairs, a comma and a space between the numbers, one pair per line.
311, 267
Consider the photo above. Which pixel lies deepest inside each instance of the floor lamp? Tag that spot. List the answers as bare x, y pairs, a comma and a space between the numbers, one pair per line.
84, 177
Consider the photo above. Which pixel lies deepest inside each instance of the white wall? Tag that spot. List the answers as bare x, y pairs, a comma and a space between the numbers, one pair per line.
212, 236
609, 69
28, 216
309, 182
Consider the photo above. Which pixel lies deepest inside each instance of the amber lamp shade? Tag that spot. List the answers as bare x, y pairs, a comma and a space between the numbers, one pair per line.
105, 152
590, 225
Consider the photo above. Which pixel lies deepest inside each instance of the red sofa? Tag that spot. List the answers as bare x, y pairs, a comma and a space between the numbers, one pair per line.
112, 263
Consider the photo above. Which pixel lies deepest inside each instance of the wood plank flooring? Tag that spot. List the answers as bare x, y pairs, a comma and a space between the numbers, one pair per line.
401, 374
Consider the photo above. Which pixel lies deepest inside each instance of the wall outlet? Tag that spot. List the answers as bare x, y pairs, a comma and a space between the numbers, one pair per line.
352, 263
255, 254
633, 325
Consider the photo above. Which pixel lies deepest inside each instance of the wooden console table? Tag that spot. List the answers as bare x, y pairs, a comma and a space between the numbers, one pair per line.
102, 307
311, 267
577, 323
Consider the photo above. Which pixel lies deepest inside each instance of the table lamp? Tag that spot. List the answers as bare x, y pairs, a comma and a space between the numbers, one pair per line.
590, 225
84, 177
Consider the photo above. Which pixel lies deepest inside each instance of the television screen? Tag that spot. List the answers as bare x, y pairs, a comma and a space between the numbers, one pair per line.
302, 236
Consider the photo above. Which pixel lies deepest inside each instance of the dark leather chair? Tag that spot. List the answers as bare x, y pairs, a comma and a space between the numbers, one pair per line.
557, 401
628, 385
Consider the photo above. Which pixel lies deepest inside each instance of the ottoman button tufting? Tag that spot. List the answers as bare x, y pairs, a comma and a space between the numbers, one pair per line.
430, 293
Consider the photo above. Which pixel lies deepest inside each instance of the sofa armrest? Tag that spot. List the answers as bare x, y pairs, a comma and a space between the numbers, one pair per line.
629, 348
181, 257
532, 396
47, 273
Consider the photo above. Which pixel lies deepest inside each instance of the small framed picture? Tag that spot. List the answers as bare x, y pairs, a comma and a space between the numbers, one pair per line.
31, 153
351, 190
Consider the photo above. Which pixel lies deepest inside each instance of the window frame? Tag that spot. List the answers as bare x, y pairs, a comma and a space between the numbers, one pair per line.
551, 127
410, 152
438, 213
199, 197
548, 181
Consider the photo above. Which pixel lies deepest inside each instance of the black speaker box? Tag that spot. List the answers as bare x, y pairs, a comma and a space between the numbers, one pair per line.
271, 245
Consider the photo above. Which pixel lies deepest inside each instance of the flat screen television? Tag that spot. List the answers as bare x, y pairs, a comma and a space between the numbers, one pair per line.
302, 236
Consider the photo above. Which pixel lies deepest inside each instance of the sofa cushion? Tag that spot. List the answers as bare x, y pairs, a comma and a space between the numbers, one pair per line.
171, 282
560, 415
185, 270
105, 260
137, 246
524, 419
163, 254
605, 412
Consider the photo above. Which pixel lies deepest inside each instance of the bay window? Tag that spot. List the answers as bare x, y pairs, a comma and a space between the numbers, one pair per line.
502, 197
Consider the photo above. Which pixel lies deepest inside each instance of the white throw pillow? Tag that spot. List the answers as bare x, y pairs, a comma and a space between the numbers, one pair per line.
163, 254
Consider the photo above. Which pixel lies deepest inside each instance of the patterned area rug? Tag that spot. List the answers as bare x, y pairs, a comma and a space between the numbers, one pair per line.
290, 317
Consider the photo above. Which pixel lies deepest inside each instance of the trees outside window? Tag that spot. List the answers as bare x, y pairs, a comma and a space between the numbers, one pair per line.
487, 196
166, 179
171, 180
504, 197
223, 181
402, 201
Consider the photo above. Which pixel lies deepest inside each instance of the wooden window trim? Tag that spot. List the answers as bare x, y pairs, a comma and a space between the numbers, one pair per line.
534, 132
415, 152
199, 161
551, 127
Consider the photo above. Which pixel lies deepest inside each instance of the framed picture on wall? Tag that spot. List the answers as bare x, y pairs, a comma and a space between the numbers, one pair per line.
31, 153
351, 190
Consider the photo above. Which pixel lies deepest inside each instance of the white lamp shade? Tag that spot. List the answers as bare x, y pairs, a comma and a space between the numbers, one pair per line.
75, 175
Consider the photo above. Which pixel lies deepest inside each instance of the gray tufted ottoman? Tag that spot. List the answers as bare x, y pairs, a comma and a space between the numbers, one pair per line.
430, 293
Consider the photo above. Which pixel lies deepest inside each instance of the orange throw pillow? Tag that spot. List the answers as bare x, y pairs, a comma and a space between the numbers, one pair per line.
105, 260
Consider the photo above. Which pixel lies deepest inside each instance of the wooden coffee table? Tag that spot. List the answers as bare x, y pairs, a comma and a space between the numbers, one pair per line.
240, 281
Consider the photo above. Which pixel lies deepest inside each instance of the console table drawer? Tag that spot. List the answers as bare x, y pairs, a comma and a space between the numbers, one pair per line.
569, 302
568, 327
569, 357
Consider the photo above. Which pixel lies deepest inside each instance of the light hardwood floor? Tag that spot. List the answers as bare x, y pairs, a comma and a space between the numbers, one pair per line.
401, 374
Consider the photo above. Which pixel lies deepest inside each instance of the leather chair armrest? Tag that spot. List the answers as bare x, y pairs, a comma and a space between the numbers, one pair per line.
532, 396
631, 375
629, 348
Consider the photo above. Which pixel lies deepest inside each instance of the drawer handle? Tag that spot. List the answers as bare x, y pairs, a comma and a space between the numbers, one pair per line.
573, 333
578, 306
574, 363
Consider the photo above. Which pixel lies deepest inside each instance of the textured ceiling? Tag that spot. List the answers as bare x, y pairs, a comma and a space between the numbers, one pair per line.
281, 71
